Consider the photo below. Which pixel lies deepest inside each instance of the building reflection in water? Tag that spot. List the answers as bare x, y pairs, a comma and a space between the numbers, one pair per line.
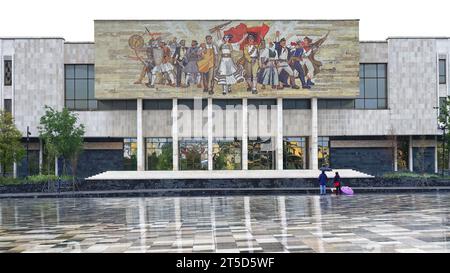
181, 223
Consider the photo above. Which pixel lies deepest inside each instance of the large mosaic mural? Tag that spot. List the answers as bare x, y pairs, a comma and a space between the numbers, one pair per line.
169, 59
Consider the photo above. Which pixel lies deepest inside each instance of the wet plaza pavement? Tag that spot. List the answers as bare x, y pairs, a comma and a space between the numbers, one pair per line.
296, 223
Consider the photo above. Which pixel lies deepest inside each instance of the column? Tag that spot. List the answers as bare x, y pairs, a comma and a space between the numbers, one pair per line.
313, 152
56, 166
140, 137
395, 155
41, 155
244, 134
436, 167
410, 155
175, 134
279, 141
14, 170
210, 135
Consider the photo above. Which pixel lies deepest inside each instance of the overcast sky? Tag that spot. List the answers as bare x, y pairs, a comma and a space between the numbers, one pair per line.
73, 19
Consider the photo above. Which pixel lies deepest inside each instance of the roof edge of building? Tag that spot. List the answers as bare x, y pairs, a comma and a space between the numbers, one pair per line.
372, 41
31, 38
417, 37
79, 42
221, 19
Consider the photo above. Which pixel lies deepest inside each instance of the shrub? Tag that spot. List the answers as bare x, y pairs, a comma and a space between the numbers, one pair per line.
9, 181
411, 175
42, 178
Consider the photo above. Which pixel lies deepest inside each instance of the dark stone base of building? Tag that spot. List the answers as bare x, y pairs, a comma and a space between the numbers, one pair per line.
207, 187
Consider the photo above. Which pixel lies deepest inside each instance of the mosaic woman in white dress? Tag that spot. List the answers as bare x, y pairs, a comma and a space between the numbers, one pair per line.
228, 72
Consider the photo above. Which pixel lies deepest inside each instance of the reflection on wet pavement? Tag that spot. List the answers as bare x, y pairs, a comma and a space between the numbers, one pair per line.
360, 223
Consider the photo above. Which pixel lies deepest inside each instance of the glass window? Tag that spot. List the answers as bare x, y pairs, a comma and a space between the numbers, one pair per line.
7, 73
92, 104
348, 104
193, 153
261, 153
370, 70
80, 87
227, 154
159, 153
262, 103
157, 105
336, 104
70, 104
228, 103
372, 87
362, 90
381, 70
7, 105
81, 104
191, 104
324, 151
130, 154
69, 71
359, 103
371, 103
294, 153
116, 105
81, 71
91, 72
402, 153
442, 71
70, 89
289, 104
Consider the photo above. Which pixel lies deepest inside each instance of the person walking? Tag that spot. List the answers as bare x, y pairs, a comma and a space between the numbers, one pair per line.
337, 183
323, 183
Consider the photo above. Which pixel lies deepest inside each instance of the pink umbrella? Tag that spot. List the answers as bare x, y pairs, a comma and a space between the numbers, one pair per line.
347, 190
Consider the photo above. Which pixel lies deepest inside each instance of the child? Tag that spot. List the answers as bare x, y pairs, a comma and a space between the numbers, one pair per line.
337, 183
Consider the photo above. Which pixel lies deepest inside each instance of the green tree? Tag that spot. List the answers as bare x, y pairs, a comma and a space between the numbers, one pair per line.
11, 149
444, 124
62, 135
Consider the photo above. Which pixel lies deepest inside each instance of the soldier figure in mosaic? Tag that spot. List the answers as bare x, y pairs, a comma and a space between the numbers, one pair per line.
178, 61
250, 62
206, 65
162, 58
191, 67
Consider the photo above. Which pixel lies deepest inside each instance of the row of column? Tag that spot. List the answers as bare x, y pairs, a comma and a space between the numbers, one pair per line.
313, 149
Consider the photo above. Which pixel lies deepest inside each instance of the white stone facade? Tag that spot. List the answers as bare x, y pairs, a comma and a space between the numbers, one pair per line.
413, 95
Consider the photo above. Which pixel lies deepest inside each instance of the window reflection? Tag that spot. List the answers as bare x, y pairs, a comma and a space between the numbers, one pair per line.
130, 154
193, 154
261, 153
227, 154
159, 153
324, 151
294, 153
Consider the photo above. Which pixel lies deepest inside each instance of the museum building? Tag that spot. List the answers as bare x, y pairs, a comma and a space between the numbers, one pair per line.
390, 125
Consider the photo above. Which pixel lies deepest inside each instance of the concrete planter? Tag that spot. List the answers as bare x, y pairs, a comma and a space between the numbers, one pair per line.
50, 186
280, 185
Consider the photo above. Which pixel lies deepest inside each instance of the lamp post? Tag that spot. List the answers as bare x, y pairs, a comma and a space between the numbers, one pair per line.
28, 141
